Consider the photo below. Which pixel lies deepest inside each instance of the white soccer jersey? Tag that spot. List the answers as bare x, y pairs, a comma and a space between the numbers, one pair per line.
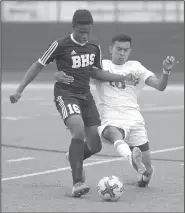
111, 98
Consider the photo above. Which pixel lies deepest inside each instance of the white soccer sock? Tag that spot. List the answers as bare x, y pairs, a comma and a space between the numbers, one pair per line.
124, 150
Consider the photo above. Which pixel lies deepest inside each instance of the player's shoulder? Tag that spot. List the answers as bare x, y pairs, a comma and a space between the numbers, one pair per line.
59, 43
63, 40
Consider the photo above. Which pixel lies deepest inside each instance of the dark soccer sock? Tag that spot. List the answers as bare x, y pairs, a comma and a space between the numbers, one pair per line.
87, 152
76, 153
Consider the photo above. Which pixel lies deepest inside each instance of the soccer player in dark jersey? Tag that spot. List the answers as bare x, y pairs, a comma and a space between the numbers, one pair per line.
76, 56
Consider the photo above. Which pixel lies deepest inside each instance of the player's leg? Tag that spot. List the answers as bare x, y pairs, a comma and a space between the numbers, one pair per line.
71, 114
138, 138
117, 136
91, 121
76, 153
147, 175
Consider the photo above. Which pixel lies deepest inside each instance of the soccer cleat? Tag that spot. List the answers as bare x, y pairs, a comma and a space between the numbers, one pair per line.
80, 189
145, 180
83, 172
137, 160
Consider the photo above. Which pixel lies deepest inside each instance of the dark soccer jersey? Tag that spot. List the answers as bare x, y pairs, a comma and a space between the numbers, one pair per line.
75, 60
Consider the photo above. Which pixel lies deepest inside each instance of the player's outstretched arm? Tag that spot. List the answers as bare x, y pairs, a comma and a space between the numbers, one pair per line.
103, 75
29, 76
162, 82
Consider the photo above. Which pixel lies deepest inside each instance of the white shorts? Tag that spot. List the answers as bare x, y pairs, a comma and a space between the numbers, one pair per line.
135, 135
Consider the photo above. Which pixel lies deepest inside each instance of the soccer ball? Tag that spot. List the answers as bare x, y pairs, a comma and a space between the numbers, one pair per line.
110, 188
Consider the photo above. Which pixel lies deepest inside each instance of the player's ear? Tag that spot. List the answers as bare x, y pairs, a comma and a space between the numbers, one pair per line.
110, 49
130, 50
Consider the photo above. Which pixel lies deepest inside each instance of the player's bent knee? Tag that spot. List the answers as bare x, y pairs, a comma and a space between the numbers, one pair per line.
144, 147
76, 126
146, 157
113, 134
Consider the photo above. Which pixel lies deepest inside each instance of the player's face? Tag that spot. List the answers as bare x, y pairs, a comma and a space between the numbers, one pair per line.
81, 33
120, 51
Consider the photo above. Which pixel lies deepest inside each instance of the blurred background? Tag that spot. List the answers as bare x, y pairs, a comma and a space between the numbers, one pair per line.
28, 27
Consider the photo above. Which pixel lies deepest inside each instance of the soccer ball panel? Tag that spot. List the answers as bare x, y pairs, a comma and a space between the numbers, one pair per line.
110, 188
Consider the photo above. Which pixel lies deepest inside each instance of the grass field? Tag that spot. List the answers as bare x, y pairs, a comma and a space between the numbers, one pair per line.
36, 176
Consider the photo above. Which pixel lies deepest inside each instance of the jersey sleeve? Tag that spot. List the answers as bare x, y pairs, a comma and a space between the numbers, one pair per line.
144, 72
49, 55
98, 58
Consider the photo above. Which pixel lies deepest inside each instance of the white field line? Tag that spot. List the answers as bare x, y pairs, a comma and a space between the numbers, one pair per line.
97, 159
85, 165
48, 86
162, 108
20, 159
168, 150
16, 118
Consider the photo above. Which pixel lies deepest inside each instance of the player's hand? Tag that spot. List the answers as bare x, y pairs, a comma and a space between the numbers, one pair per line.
63, 78
15, 97
130, 79
169, 62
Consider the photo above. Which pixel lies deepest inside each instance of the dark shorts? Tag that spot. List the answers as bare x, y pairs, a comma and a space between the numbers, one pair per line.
70, 105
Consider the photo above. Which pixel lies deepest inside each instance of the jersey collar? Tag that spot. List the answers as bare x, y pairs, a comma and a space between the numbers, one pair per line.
75, 41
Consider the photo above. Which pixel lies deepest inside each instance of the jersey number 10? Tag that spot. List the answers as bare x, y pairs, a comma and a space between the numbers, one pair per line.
119, 85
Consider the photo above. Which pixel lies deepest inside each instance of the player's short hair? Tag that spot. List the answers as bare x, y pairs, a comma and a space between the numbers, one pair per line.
121, 37
82, 16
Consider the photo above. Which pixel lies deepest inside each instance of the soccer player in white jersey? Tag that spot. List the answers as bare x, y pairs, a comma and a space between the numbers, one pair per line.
121, 121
